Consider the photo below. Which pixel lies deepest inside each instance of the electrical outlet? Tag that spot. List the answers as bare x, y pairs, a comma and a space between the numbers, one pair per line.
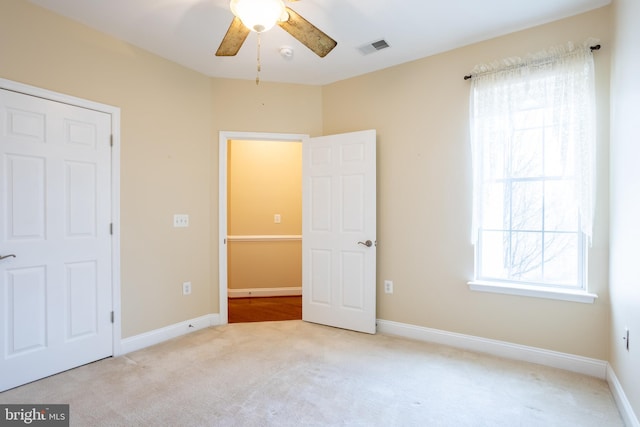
180, 220
186, 288
277, 218
388, 287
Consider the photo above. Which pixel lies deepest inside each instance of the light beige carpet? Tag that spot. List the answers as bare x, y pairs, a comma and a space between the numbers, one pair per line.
299, 374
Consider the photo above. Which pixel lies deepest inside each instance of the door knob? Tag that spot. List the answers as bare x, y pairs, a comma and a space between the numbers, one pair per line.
368, 243
7, 256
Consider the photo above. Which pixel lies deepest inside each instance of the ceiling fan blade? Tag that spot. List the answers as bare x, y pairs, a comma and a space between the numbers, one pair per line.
232, 41
308, 34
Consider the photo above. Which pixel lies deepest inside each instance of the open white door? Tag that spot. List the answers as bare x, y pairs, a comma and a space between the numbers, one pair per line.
55, 242
339, 231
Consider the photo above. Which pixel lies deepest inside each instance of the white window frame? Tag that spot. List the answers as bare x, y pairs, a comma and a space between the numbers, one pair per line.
576, 293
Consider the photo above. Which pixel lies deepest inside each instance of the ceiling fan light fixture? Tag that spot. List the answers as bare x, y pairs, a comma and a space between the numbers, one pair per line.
258, 15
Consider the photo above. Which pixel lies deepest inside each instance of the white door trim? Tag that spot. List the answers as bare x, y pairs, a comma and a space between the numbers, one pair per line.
223, 141
115, 184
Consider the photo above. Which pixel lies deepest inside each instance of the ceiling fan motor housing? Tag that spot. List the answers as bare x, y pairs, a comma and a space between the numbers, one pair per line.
258, 15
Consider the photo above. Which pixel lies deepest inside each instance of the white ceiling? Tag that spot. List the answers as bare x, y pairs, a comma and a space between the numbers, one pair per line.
189, 31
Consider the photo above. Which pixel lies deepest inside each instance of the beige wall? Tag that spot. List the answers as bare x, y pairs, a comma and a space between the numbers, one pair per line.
420, 111
170, 118
166, 144
625, 199
240, 105
264, 264
170, 122
264, 179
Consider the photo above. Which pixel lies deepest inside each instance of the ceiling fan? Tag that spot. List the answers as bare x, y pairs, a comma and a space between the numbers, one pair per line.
260, 16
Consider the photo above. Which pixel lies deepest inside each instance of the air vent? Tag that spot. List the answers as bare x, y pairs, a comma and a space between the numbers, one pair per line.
373, 47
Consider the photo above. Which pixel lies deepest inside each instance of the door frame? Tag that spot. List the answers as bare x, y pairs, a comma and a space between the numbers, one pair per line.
223, 143
114, 112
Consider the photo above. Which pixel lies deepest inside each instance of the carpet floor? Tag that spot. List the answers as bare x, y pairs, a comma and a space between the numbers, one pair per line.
293, 373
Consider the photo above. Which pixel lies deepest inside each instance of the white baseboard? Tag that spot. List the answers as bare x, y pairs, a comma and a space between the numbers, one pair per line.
157, 336
624, 406
583, 365
264, 292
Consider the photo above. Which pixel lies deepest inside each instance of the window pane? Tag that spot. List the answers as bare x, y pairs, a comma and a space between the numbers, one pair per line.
526, 205
493, 254
493, 158
529, 118
526, 153
558, 154
526, 256
561, 258
560, 211
494, 215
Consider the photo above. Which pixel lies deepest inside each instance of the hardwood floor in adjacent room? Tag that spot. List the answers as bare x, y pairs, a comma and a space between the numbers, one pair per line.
265, 309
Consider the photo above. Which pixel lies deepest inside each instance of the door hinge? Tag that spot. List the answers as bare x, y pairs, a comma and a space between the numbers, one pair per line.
113, 316
111, 140
111, 229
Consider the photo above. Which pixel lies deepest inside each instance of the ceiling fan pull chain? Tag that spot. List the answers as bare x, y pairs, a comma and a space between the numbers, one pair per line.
258, 61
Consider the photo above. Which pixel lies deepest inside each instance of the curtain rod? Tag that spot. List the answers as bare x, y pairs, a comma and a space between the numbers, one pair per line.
596, 47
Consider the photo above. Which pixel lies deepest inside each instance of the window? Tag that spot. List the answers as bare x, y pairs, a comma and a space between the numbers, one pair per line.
533, 137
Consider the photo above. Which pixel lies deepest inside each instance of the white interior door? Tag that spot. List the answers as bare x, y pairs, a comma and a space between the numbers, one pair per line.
339, 231
55, 214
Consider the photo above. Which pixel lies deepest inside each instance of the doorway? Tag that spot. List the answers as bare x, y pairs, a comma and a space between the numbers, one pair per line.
338, 227
260, 227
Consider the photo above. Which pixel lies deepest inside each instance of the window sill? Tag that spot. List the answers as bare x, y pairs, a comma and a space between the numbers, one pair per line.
532, 291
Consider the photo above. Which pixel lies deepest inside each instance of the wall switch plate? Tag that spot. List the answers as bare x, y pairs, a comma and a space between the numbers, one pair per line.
180, 220
388, 286
277, 218
186, 288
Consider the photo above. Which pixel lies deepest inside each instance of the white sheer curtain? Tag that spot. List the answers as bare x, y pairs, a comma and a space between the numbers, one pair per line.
504, 93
